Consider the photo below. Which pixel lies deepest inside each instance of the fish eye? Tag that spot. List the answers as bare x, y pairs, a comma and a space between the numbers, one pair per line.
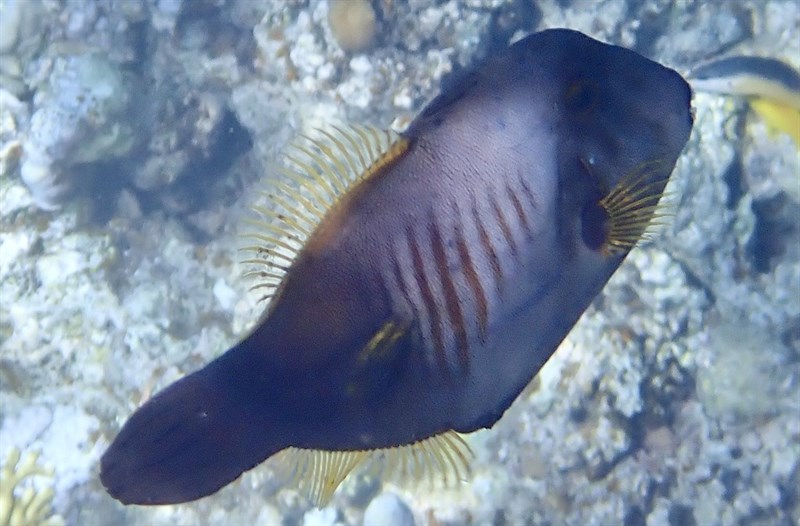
581, 95
594, 225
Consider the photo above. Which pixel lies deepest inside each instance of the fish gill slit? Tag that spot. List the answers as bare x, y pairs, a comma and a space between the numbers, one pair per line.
452, 302
474, 282
428, 299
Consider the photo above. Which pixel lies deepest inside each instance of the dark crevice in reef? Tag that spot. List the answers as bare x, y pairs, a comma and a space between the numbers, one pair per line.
776, 222
734, 180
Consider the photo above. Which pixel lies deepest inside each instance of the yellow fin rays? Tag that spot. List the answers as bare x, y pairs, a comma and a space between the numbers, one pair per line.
317, 173
632, 206
319, 473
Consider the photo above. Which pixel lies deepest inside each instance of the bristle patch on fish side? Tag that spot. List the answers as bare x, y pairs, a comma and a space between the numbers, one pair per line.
634, 207
317, 172
444, 458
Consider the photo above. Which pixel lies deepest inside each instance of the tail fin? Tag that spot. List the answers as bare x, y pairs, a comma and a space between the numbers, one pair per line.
193, 438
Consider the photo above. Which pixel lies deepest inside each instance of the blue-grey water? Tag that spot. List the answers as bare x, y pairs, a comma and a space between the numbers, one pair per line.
134, 134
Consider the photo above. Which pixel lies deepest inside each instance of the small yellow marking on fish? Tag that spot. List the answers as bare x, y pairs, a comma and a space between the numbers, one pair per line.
382, 343
378, 351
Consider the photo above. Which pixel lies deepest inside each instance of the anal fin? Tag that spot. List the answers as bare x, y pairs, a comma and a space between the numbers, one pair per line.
444, 458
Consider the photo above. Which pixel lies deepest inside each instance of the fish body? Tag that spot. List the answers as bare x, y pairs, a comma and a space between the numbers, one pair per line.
438, 283
779, 117
749, 76
771, 86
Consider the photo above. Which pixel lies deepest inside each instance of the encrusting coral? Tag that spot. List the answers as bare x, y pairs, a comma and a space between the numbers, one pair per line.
27, 506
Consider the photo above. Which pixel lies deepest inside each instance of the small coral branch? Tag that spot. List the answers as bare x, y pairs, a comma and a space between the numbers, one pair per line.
25, 506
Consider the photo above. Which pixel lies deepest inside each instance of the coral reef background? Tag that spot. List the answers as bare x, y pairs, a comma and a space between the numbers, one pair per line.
132, 132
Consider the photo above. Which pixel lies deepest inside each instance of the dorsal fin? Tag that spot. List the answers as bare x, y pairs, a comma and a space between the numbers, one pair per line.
318, 473
316, 174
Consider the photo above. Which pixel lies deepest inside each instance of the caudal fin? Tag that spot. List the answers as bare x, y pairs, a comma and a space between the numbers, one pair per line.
191, 439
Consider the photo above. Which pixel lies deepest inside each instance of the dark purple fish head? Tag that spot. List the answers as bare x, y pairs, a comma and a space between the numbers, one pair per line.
623, 121
623, 118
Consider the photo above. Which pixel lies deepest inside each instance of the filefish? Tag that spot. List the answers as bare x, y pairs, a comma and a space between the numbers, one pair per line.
771, 86
416, 282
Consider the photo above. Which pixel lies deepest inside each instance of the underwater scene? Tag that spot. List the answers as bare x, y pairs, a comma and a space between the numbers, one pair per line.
400, 263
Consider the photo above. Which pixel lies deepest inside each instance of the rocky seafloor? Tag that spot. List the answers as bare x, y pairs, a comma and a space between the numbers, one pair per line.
131, 132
